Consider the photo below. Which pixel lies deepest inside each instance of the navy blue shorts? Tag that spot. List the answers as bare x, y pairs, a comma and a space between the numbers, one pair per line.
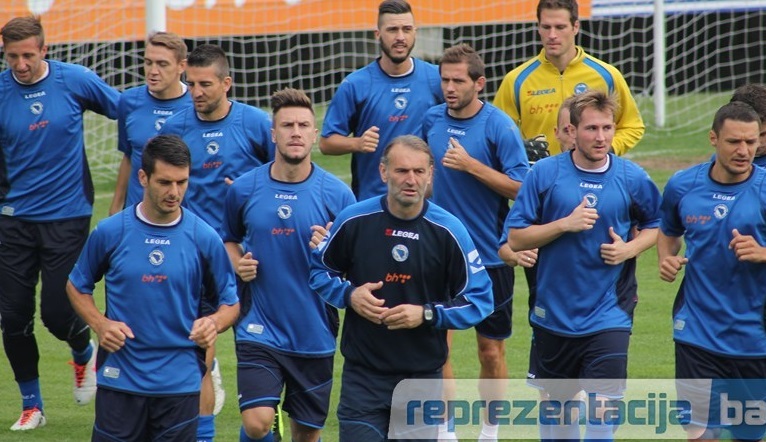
705, 379
364, 410
499, 324
132, 417
602, 357
263, 372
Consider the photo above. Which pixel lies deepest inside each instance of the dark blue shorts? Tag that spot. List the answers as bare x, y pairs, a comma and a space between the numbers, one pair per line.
499, 324
720, 387
131, 417
364, 410
263, 372
602, 357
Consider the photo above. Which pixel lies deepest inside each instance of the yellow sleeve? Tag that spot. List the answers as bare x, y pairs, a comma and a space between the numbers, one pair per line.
629, 126
505, 99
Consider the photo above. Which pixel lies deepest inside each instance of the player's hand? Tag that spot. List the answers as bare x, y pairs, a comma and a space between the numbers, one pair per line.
112, 335
368, 142
204, 332
670, 266
456, 157
365, 304
581, 218
525, 258
318, 234
402, 316
747, 248
247, 267
617, 252
228, 181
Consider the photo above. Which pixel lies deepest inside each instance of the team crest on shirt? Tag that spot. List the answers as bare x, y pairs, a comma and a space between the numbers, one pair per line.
158, 123
580, 88
284, 211
156, 257
212, 148
400, 102
720, 211
36, 108
400, 253
591, 200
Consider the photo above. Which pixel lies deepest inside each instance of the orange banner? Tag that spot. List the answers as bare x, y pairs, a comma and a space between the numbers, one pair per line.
115, 20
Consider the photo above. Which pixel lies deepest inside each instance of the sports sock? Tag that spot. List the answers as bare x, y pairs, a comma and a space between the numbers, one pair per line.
206, 429
244, 438
30, 394
83, 356
488, 432
599, 432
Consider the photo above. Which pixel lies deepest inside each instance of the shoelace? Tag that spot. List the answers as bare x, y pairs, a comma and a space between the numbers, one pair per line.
79, 372
27, 414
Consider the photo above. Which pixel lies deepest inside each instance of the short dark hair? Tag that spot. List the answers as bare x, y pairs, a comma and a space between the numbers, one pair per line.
207, 55
463, 53
173, 42
569, 5
735, 111
289, 97
169, 149
21, 28
393, 7
413, 142
592, 99
754, 95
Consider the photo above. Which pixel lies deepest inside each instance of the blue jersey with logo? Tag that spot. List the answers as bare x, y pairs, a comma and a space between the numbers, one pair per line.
221, 149
720, 304
428, 259
492, 138
273, 219
140, 117
370, 97
155, 279
576, 289
44, 174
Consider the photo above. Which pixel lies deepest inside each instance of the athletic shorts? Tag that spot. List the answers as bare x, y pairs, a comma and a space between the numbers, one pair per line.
498, 325
705, 379
602, 357
130, 417
262, 373
364, 409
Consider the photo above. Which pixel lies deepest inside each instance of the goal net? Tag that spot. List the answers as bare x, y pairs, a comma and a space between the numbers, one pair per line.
712, 46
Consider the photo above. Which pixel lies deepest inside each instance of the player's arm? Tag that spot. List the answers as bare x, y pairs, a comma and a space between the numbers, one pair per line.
629, 128
670, 263
538, 235
337, 144
458, 158
245, 266
205, 330
111, 334
121, 187
505, 100
619, 251
747, 248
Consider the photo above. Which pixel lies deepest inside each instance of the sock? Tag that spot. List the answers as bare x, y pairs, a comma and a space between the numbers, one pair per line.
30, 394
206, 428
445, 435
83, 356
488, 432
564, 432
244, 438
599, 432
545, 433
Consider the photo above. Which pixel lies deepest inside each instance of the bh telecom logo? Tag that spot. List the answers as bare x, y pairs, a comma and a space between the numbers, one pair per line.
642, 409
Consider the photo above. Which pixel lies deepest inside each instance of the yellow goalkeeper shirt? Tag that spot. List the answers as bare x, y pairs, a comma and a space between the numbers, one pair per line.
532, 93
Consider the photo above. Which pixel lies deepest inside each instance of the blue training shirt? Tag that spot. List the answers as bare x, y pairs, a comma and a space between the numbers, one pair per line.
44, 174
273, 219
140, 117
155, 280
720, 304
221, 149
492, 138
370, 97
429, 259
576, 289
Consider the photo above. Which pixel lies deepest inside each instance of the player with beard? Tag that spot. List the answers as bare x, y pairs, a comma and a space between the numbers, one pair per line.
226, 139
480, 162
286, 335
381, 101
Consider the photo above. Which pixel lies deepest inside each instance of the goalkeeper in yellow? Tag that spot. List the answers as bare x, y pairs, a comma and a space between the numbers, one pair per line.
533, 92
